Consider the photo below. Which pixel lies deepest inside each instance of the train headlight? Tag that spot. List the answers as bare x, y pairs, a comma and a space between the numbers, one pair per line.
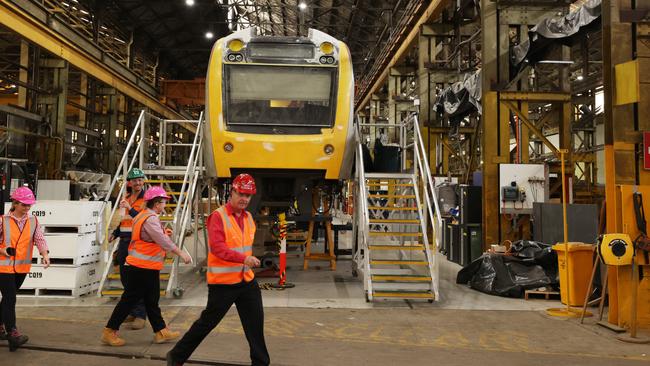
239, 58
236, 45
323, 59
329, 149
227, 147
327, 48
330, 59
232, 57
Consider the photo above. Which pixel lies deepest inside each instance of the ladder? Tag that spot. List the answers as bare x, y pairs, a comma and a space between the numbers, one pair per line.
181, 183
398, 225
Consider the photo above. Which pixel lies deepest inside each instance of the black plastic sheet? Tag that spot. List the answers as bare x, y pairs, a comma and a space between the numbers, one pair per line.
531, 265
460, 99
560, 30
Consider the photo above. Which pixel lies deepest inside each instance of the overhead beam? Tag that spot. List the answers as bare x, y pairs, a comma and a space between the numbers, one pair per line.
434, 8
41, 31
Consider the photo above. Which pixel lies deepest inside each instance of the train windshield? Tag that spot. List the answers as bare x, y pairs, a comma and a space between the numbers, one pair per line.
280, 95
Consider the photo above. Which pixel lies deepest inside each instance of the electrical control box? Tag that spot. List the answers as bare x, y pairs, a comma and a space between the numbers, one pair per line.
521, 186
510, 193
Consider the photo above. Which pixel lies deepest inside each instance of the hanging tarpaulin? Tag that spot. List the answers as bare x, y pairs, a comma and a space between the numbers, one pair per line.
460, 99
557, 30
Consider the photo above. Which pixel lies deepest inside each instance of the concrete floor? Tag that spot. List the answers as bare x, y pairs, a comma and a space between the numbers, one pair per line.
422, 336
325, 320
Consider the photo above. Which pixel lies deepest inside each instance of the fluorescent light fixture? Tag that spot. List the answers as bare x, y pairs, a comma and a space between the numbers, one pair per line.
189, 2
580, 78
209, 35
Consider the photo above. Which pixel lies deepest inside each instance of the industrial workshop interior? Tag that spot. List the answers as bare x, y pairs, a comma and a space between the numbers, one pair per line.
325, 182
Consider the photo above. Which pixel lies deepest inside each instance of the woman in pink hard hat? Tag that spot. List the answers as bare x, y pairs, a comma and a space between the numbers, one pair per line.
19, 232
146, 257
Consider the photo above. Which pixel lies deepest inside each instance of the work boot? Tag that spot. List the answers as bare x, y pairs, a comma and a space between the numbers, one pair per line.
165, 335
110, 337
129, 319
137, 324
171, 361
3, 333
16, 340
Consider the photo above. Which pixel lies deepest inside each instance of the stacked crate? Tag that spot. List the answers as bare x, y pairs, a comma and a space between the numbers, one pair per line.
70, 233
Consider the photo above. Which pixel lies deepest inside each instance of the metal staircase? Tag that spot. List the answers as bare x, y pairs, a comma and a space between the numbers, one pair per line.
397, 246
180, 182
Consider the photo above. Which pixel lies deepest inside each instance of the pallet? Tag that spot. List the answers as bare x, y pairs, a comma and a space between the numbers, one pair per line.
59, 292
539, 294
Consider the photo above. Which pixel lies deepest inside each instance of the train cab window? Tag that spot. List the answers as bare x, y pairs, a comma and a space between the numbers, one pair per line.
286, 96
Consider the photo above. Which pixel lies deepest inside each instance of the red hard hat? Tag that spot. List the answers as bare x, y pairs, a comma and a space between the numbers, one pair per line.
244, 183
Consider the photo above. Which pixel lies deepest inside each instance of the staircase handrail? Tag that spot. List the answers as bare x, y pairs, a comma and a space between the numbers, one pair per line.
365, 218
433, 210
183, 207
102, 229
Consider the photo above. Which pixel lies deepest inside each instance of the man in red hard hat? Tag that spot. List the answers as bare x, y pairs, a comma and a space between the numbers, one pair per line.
231, 230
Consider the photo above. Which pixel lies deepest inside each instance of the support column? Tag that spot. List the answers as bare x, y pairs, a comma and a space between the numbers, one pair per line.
57, 73
23, 73
491, 129
83, 100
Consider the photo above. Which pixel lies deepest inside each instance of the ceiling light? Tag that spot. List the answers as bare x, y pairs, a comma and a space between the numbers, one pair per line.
302, 6
580, 78
189, 2
209, 35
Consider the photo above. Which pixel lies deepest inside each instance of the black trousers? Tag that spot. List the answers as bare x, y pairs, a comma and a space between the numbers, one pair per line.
121, 253
140, 284
248, 299
9, 285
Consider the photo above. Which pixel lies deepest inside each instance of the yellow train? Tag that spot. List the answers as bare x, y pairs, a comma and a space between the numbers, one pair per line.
281, 109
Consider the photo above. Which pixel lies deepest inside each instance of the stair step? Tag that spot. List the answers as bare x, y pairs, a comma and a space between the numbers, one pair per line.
394, 221
399, 261
391, 196
408, 208
404, 294
390, 185
167, 171
396, 247
392, 271
392, 233
388, 176
119, 292
403, 278
116, 276
164, 181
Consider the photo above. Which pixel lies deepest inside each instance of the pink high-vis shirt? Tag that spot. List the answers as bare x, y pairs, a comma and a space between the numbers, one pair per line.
39, 238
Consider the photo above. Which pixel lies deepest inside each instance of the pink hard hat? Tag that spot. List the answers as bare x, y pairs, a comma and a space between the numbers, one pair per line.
155, 191
24, 195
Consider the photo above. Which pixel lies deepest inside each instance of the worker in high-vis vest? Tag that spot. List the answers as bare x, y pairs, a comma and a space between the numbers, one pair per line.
131, 204
19, 232
231, 230
145, 259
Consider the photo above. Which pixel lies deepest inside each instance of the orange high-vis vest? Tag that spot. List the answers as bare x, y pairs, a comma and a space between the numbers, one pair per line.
126, 225
22, 241
221, 272
144, 254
